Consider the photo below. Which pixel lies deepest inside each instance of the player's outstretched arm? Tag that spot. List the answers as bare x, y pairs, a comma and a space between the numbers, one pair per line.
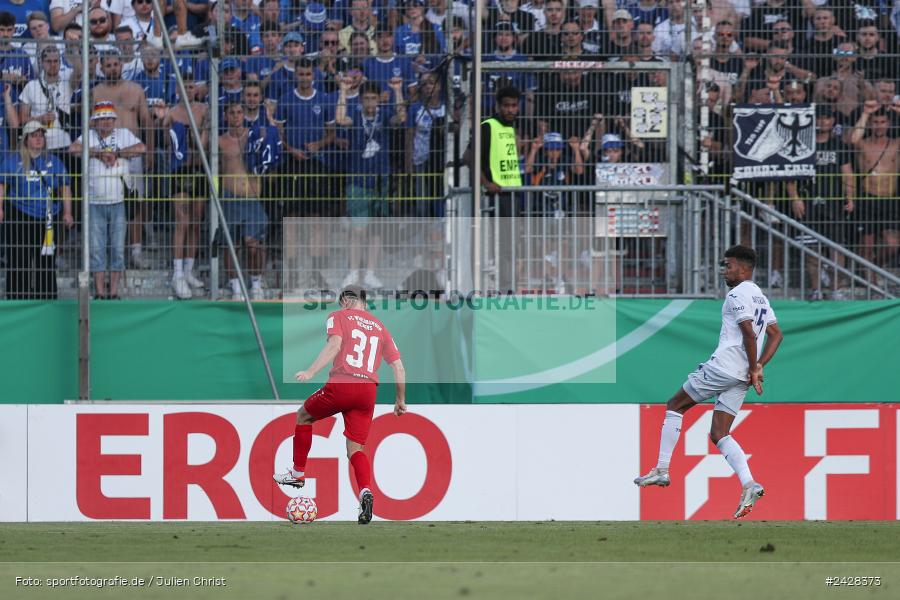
400, 386
326, 357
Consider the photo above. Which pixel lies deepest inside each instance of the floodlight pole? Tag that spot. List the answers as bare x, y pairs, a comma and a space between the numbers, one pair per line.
475, 170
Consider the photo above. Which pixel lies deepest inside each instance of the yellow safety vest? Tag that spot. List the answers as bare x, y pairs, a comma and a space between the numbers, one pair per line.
504, 159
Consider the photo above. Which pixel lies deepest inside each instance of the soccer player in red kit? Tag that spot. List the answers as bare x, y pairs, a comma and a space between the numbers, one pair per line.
357, 341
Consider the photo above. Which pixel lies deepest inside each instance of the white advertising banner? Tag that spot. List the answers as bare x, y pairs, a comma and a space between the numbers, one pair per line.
13, 462
210, 462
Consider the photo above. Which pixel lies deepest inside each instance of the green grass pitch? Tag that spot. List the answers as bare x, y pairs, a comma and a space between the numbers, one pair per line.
459, 560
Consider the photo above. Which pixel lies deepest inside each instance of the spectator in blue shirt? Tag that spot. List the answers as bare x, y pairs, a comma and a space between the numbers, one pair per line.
243, 19
282, 80
263, 64
418, 38
305, 117
387, 64
15, 66
369, 168
32, 180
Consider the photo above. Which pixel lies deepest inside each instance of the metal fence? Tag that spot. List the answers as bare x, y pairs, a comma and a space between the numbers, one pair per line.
359, 113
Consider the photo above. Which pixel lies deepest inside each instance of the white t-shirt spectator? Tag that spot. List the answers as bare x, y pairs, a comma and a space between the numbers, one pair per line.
139, 29
121, 7
67, 5
106, 185
44, 97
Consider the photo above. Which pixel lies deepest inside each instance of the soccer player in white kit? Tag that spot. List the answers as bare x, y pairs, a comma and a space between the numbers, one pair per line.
736, 364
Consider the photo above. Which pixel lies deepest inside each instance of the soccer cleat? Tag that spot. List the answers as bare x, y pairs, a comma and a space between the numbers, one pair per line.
654, 477
366, 500
182, 289
749, 496
287, 478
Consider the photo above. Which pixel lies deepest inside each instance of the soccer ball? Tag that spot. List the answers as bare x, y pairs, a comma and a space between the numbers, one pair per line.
302, 510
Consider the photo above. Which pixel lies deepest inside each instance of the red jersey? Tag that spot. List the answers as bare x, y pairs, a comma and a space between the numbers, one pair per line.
364, 341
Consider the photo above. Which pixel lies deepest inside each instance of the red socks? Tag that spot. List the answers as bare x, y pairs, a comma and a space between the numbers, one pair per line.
302, 443
362, 469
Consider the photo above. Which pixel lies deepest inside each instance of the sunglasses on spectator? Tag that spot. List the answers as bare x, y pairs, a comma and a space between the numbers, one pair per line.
725, 34
99, 21
782, 29
329, 42
142, 1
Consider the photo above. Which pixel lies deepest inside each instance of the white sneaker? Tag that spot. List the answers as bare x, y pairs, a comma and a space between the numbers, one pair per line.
351, 278
839, 294
370, 281
816, 295
775, 280
288, 478
181, 287
193, 281
749, 495
256, 293
825, 278
189, 40
656, 476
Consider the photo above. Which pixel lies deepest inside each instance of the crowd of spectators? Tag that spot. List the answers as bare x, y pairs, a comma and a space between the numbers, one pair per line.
344, 109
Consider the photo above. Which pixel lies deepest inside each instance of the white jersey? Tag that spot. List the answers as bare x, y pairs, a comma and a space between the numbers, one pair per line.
744, 302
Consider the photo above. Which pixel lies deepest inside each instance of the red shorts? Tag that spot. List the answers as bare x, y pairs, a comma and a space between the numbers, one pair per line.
354, 400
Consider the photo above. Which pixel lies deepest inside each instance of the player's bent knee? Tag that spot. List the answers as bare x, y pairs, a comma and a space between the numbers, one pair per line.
303, 417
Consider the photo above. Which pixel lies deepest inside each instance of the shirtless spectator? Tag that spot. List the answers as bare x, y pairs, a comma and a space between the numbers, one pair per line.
188, 188
878, 209
241, 206
133, 114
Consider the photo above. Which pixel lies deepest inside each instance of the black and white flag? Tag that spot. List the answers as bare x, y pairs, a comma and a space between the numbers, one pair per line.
774, 141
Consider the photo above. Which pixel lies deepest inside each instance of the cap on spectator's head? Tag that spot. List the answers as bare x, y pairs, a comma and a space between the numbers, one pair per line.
554, 141
294, 36
824, 110
588, 3
230, 62
31, 127
611, 140
622, 14
103, 110
353, 292
314, 16
504, 26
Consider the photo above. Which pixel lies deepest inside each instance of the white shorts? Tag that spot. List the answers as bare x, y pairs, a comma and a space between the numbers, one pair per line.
136, 170
706, 383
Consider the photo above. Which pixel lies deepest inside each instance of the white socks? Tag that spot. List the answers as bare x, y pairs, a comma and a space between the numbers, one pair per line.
179, 267
671, 430
735, 456
188, 265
